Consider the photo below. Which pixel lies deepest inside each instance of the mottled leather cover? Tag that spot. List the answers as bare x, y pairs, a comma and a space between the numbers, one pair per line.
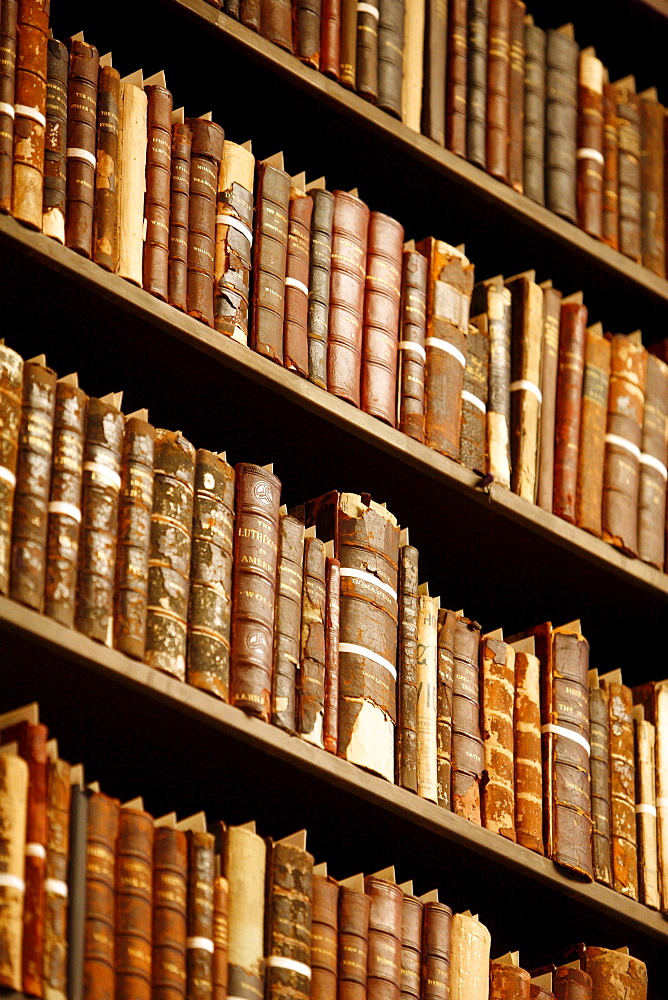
366, 68
99, 979
493, 299
616, 976
354, 907
590, 158
105, 242
332, 668
276, 22
311, 675
13, 812
653, 460
526, 353
516, 97
412, 355
156, 199
411, 947
385, 926
473, 434
319, 276
447, 621
234, 238
535, 72
380, 334
58, 796
288, 921
182, 139
295, 335
287, 626
220, 938
498, 89
570, 376
509, 982
468, 758
199, 920
324, 937
11, 377
81, 136
307, 32
436, 948
390, 55
528, 757
572, 984
629, 146
170, 862
561, 118
206, 154
610, 220
622, 790
55, 139
456, 71
497, 667
595, 389
8, 15
406, 736
433, 80
599, 729
476, 82
134, 905
272, 200
30, 92
548, 391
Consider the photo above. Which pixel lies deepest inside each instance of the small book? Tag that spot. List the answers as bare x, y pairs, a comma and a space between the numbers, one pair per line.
295, 332
8, 15
548, 391
407, 680
158, 181
55, 141
234, 240
652, 182
99, 972
469, 958
516, 97
427, 680
622, 786
272, 201
456, 76
170, 865
380, 334
591, 454
311, 673
411, 350
131, 177
13, 817
653, 460
526, 355
287, 625
133, 931
561, 116
527, 756
105, 237
599, 729
590, 158
205, 156
320, 266
498, 89
32, 30
81, 139
182, 139
476, 82
497, 675
244, 866
610, 216
288, 920
568, 410
468, 759
535, 72
385, 927
58, 799
629, 146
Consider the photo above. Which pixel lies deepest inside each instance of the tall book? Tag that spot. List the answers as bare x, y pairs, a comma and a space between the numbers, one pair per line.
516, 97
295, 334
411, 86
366, 66
179, 195
13, 816
535, 71
653, 460
158, 181
427, 680
411, 350
433, 81
81, 137
476, 82
447, 623
590, 158
32, 27
220, 937
311, 674
8, 14
105, 237
55, 141
391, 55
591, 454
630, 171
411, 944
234, 241
599, 730
622, 786
77, 883
287, 625
205, 156
498, 89
170, 863
131, 177
11, 378
652, 182
407, 669
276, 22
561, 116
320, 268
570, 375
244, 865
324, 934
385, 925
548, 391
497, 669
493, 299
468, 756
436, 947
133, 938
646, 829
455, 86
380, 335
526, 353
199, 915
288, 920
469, 958
332, 635
58, 798
610, 219
354, 907
99, 934
528, 758
473, 434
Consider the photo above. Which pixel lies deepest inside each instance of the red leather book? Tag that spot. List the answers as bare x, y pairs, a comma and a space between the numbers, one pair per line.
311, 675
385, 925
652, 185
205, 157
324, 937
170, 862
455, 88
516, 97
332, 633
287, 623
436, 949
8, 15
354, 907
570, 374
199, 942
591, 456
626, 974
433, 80
30, 119
11, 376
81, 136
55, 141
591, 160
610, 218
381, 317
134, 901
295, 336
99, 933
498, 89
182, 138
534, 111
411, 946
653, 460
55, 885
330, 38
105, 242
272, 200
467, 746
156, 201
412, 354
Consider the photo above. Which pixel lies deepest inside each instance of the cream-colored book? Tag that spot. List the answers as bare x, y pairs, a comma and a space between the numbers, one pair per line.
245, 866
427, 669
13, 814
131, 177
411, 86
469, 958
646, 816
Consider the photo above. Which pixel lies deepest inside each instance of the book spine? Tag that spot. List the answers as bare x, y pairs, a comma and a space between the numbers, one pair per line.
467, 746
382, 298
249, 13
590, 153
473, 437
332, 671
98, 959
498, 697
476, 82
158, 181
446, 672
528, 761
572, 984
508, 982
311, 702
232, 7
548, 391
629, 146
610, 221
366, 68
561, 116
179, 194
324, 938
456, 68
320, 266
205, 157
276, 22
390, 55
498, 401
411, 948
245, 861
220, 938
105, 243
8, 15
498, 89
516, 97
33, 480
134, 903
385, 923
170, 864
427, 678
199, 916
599, 727
626, 975
307, 32
295, 334
269, 262
76, 892
169, 553
13, 816
55, 142
646, 830
81, 136
348, 48
330, 38
622, 792
570, 375
289, 914
436, 949
131, 181
55, 884
591, 455
661, 722
133, 540
287, 626
210, 604
30, 119
354, 907
407, 740
653, 460
234, 242
11, 378
527, 340
411, 88
469, 959
535, 72
433, 84
254, 572
411, 349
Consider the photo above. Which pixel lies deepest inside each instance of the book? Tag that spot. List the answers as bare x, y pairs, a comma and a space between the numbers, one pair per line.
205, 156
366, 60
385, 925
516, 98
332, 634
170, 861
498, 89
330, 38
653, 460
272, 198
447, 621
311, 673
436, 947
590, 155
427, 680
468, 759
473, 436
220, 937
411, 86
599, 728
548, 390
289, 914
411, 944
131, 177
199, 913
493, 299
406, 739
508, 980
561, 118
287, 626
319, 277
244, 867
76, 883
8, 16
354, 907
81, 136
390, 55
155, 274
134, 904
497, 676
469, 958
434, 70
610, 215
616, 969
100, 920
58, 797
456, 77
324, 935
105, 242
55, 140
528, 757
411, 351
234, 241
249, 13
348, 46
526, 353
276, 22
295, 334
13, 815
660, 720
591, 454
32, 26
535, 71
646, 828
570, 375
476, 82
622, 786
306, 30
380, 328
179, 194
629, 147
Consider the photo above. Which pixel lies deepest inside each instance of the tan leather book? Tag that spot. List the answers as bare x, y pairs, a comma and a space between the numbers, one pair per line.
311, 674
526, 354
436, 947
385, 926
131, 177
220, 937
58, 791
497, 667
287, 623
354, 907
469, 958
13, 814
653, 461
548, 388
630, 169
645, 769
661, 723
244, 867
590, 159
622, 786
427, 640
324, 935
234, 240
528, 762
133, 938
616, 974
411, 943
411, 91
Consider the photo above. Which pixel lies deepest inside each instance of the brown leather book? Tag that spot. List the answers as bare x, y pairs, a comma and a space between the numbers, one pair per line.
599, 728
272, 199
64, 511
455, 86
211, 575
319, 276
134, 905
105, 244
516, 98
528, 758
276, 22
590, 155
295, 336
468, 758
330, 38
76, 887
572, 984
234, 241
617, 974
324, 937
497, 672
245, 868
447, 621
526, 353
249, 13
13, 814
99, 519
30, 118
561, 117
170, 863
591, 455
538, 993
287, 625
311, 675
498, 89
646, 831
411, 945
493, 299
436, 949
33, 480
332, 669
535, 72
476, 82
99, 934
349, 250
473, 434
548, 391
254, 574
406, 737
380, 335
390, 55
220, 937
156, 200
55, 141
629, 146
134, 533
434, 72
610, 220
622, 788
385, 925
307, 32
653, 460
179, 194
199, 921
170, 553
289, 914
8, 14
623, 440
348, 48
411, 353
11, 377
509, 982
58, 796
427, 680
354, 907
366, 61
81, 136
205, 157
570, 376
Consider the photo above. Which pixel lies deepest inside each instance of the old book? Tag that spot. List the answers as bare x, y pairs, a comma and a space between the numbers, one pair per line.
324, 935
622, 786
33, 481
99, 934
455, 84
447, 621
170, 553
55, 141
493, 299
497, 675
257, 500
468, 758
407, 670
8, 15
11, 378
170, 865
591, 455
561, 117
646, 825
332, 634
330, 38
599, 729
105, 242
528, 758
58, 797
179, 195
199, 915
411, 350
427, 678
234, 241
311, 674
434, 70
516, 97
653, 460
205, 156
32, 28
623, 440
660, 719
288, 920
436, 948
570, 375
469, 958
134, 533
295, 334
272, 200
380, 332
526, 353
610, 216
348, 47
210, 602
99, 518
287, 626
385, 924
590, 158
81, 138
306, 32
131, 177
319, 276
366, 67
617, 974
76, 884
411, 943
498, 89
276, 22
630, 150
473, 436
13, 816
411, 87
345, 335
354, 907
220, 937
476, 82
535, 75
158, 182
508, 981
134, 905
390, 55
244, 867
249, 13
548, 391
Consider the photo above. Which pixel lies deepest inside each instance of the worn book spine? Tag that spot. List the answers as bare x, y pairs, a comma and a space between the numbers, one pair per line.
380, 335
622, 791
590, 159
319, 275
498, 89
220, 938
572, 984
434, 71
332, 669
330, 38
8, 15
249, 13
516, 97
133, 540
276, 22
210, 603
32, 28
390, 55
348, 47
234, 242
468, 758
447, 621
473, 436
385, 923
509, 982
407, 652
232, 7
534, 112
33, 481
272, 201
436, 951
646, 827
616, 974
99, 934
660, 699
105, 243
354, 907
561, 117
526, 354
307, 32
499, 325
295, 333
254, 568
199, 916
11, 378
653, 460
244, 868
455, 87
366, 61
324, 937
76, 891
55, 884
287, 625
610, 219
427, 679
311, 687
411, 350
497, 668
548, 391
170, 865
570, 375
158, 181
55, 142
13, 816
81, 138
476, 82
134, 903
599, 729
170, 553
206, 154
528, 760
629, 146
591, 455
469, 959
411, 947
131, 181
179, 194
289, 915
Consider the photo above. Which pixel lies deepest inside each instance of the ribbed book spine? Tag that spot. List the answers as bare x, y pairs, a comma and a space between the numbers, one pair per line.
467, 744
629, 145
134, 904
653, 460
599, 728
205, 157
516, 97
307, 32
498, 308
131, 181
170, 862
476, 82
332, 665
473, 436
590, 158
548, 391
295, 335
412, 355
99, 939
234, 242
244, 867
311, 704
646, 830
221, 938
498, 688
456, 68
272, 200
526, 354
610, 221
385, 923
406, 746
382, 297
366, 68
390, 55
324, 937
622, 791
528, 765
55, 142
287, 626
182, 138
534, 112
446, 676
469, 959
498, 89
81, 137
30, 118
436, 950
330, 38
105, 243
354, 907
320, 264
561, 116
411, 947
158, 180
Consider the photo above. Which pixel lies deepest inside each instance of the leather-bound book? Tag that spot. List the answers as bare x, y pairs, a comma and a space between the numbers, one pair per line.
654, 698
622, 787
497, 669
629, 142
385, 924
570, 376
134, 905
170, 865
33, 480
287, 625
390, 55
134, 533
8, 14
158, 181
276, 22
526, 353
232, 7
249, 13
610, 220
30, 111
411, 944
528, 758
516, 97
105, 242
469, 958
348, 47
616, 974
434, 71
468, 759
324, 936
381, 317
234, 241
411, 88
473, 435
319, 275
295, 335
199, 915
535, 73
653, 459
58, 797
436, 948
447, 621
498, 89
548, 391
179, 195
244, 867
332, 634
349, 251
591, 454
623, 440
289, 905
646, 828
412, 354
330, 38
509, 982
476, 82
209, 612
272, 200
590, 159
205, 157
561, 117
538, 993
170, 553
311, 693
406, 736
131, 177
366, 65
254, 574
81, 138
101, 486
354, 908
427, 678
76, 884
599, 735
307, 32
572, 984
55, 142
493, 299
455, 85
220, 938
13, 815
99, 933
11, 377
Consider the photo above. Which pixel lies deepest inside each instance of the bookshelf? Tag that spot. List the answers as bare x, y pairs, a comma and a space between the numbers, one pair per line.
505, 561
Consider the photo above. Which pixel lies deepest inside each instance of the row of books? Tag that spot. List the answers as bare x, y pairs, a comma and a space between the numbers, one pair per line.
101, 900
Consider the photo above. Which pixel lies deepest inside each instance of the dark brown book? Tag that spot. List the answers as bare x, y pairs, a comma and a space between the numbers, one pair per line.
105, 245
272, 200
134, 533
99, 939
249, 13
170, 553
528, 760
652, 187
591, 456
209, 612
411, 945
434, 69
30, 111
467, 747
199, 942
590, 157
599, 730
11, 376
8, 14
55, 142
509, 982
276, 22
476, 82
653, 460
348, 48
456, 69
156, 199
254, 572
33, 481
287, 624
320, 266
288, 921
445, 678
311, 675
330, 38
295, 335
221, 936
390, 55
570, 375
548, 391
436, 949
610, 219
234, 241
406, 740
380, 336
134, 902
497, 702
535, 79
561, 117
385, 925
58, 797
170, 865
205, 157
473, 434
516, 97
411, 354
498, 89
179, 195
572, 984
324, 937
629, 146
622, 788
81, 139
307, 32
366, 63
332, 670
354, 907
